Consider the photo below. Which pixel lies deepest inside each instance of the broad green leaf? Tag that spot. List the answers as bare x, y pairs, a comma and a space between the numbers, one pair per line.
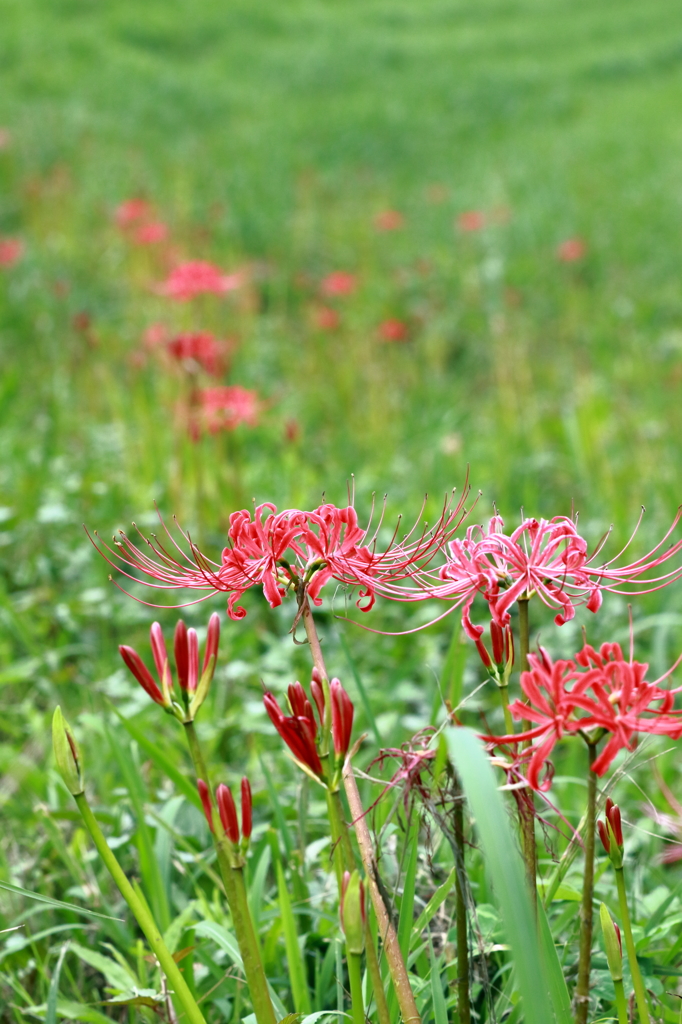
299, 986
51, 1011
503, 863
80, 1012
56, 903
117, 976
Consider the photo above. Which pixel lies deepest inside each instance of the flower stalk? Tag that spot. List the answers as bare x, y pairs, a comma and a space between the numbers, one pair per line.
582, 991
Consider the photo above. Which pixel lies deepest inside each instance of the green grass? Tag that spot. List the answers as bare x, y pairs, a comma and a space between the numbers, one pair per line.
270, 136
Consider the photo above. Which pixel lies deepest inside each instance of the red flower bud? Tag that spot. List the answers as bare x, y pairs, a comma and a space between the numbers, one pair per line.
483, 653
206, 802
342, 718
603, 835
318, 694
228, 812
181, 653
247, 819
497, 637
141, 673
193, 660
158, 648
212, 640
613, 814
297, 731
618, 936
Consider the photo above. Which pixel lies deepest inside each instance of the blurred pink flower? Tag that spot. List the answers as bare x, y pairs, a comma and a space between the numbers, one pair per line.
132, 211
155, 334
11, 250
471, 220
571, 250
151, 234
226, 406
200, 348
389, 220
392, 330
339, 282
199, 277
326, 318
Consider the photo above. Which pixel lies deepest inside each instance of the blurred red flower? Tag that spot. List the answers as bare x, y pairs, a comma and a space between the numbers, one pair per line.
392, 330
389, 220
200, 348
199, 277
11, 250
471, 220
132, 211
326, 318
225, 407
155, 334
151, 234
571, 250
339, 282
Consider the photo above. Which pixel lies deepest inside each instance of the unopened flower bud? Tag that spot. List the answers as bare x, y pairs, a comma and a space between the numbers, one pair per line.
318, 694
212, 641
342, 718
611, 833
181, 654
192, 660
483, 654
200, 689
144, 677
353, 913
205, 796
228, 812
614, 953
247, 816
67, 754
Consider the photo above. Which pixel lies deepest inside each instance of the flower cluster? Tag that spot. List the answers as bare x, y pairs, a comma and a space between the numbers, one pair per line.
297, 551
193, 684
227, 813
547, 558
596, 694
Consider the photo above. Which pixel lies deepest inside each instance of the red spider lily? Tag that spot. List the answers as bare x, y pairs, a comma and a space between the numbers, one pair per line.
596, 691
199, 277
414, 758
199, 349
392, 330
339, 282
133, 211
571, 250
150, 234
326, 318
156, 334
471, 220
299, 731
186, 649
544, 557
224, 407
342, 718
296, 550
11, 250
389, 220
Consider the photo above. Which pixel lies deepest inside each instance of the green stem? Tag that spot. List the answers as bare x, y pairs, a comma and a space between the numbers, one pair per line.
638, 984
527, 812
374, 970
582, 991
394, 957
235, 891
508, 720
343, 851
354, 961
463, 1004
143, 917
621, 1002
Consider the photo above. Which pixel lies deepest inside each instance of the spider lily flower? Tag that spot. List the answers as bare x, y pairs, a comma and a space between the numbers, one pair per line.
611, 833
544, 557
199, 277
299, 730
353, 912
193, 687
342, 718
596, 693
292, 551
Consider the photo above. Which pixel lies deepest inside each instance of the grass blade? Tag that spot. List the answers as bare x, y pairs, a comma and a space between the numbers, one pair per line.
299, 986
503, 863
56, 903
557, 988
364, 699
440, 1012
161, 760
51, 1011
406, 921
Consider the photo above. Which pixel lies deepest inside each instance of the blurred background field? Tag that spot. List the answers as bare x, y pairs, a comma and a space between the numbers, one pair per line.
503, 183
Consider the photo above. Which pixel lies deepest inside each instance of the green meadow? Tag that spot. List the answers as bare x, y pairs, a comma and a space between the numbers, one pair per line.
270, 139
